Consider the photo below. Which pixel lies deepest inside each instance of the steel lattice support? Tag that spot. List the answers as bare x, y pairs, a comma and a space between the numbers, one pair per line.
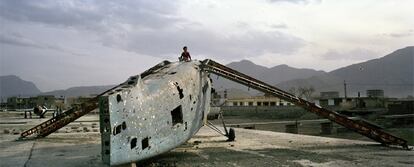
361, 127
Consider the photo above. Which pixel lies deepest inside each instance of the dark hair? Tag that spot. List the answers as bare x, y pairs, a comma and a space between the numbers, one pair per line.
185, 47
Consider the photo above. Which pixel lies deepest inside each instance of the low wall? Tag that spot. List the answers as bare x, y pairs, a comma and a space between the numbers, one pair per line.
278, 112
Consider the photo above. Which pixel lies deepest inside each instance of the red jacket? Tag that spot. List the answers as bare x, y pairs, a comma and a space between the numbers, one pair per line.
186, 56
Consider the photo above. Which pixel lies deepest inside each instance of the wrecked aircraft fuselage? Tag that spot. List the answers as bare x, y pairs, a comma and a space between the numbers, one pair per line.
154, 112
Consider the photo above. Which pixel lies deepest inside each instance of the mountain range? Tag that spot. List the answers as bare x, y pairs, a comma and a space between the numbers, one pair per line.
11, 85
79, 91
392, 73
272, 75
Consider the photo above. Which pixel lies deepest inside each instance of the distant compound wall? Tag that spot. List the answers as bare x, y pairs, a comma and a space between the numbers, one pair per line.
271, 112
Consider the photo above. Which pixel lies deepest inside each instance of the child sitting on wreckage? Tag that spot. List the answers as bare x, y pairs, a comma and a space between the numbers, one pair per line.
185, 56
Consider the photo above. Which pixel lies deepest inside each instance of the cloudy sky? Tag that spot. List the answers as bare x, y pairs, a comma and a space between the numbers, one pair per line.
63, 43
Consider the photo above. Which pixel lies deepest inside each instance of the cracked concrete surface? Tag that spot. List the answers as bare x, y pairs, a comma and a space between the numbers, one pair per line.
207, 148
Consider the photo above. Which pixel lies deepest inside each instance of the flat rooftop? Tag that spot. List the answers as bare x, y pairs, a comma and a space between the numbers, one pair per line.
78, 144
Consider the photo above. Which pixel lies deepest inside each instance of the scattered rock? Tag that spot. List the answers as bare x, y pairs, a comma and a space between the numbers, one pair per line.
197, 142
15, 132
74, 127
95, 130
6, 131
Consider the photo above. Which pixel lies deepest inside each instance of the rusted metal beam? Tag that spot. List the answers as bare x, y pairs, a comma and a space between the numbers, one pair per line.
55, 123
360, 126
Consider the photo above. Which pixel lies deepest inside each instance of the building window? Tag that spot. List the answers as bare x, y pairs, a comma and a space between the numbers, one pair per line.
266, 103
272, 103
234, 103
250, 103
259, 103
241, 104
331, 102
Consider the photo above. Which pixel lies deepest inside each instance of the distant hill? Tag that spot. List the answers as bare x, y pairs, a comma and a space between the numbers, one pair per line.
79, 91
234, 93
393, 73
12, 85
272, 75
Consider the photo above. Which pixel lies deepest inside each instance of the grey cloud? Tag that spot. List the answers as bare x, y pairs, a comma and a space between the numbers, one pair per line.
400, 34
146, 27
295, 1
48, 12
91, 14
17, 39
279, 26
251, 44
242, 24
355, 54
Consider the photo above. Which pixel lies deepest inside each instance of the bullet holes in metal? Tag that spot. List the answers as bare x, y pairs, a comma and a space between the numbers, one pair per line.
177, 115
131, 82
145, 143
118, 98
119, 128
180, 90
133, 142
123, 125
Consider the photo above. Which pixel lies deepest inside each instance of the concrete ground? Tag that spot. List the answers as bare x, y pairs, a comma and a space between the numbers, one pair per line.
78, 144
